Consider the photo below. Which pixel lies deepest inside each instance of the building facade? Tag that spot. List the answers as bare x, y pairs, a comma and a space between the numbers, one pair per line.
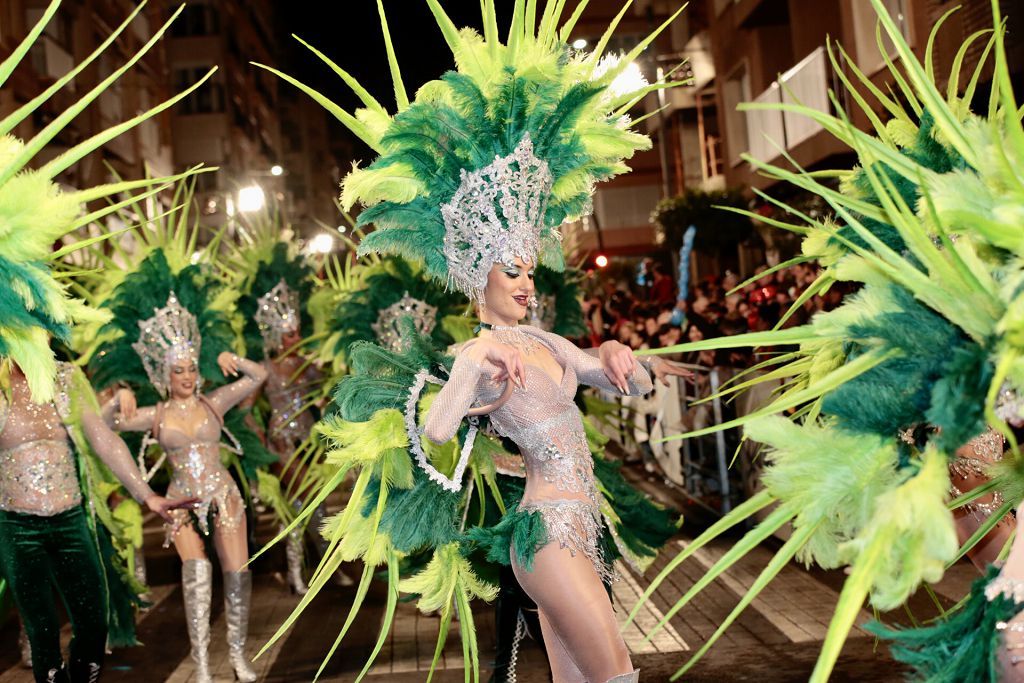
238, 120
75, 31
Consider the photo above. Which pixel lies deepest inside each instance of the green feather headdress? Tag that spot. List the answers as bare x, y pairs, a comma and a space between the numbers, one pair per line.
146, 290
35, 213
282, 270
485, 163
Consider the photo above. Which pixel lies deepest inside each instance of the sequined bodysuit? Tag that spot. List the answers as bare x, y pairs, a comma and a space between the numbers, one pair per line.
971, 466
289, 423
197, 471
38, 475
545, 423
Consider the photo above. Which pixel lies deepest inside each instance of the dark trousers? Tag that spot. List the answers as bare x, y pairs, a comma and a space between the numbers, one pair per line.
39, 554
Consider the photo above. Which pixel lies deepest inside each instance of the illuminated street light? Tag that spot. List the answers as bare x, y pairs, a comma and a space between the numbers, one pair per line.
629, 79
276, 169
251, 199
323, 243
579, 43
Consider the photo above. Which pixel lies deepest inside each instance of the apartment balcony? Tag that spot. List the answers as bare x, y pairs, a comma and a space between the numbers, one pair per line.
50, 59
770, 132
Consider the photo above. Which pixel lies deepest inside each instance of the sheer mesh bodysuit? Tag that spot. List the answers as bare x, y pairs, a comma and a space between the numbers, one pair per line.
567, 578
289, 424
194, 454
38, 475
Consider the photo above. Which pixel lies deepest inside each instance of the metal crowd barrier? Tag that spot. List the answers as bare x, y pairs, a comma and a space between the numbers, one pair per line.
699, 467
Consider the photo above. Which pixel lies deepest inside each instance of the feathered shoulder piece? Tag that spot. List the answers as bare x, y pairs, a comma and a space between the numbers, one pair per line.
35, 213
484, 164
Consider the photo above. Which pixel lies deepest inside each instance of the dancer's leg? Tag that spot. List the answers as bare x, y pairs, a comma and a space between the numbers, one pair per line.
577, 615
563, 668
25, 563
197, 589
229, 537
82, 586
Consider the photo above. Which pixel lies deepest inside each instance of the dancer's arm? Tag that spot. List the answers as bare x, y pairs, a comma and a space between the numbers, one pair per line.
656, 366
613, 365
227, 397
458, 394
115, 455
121, 414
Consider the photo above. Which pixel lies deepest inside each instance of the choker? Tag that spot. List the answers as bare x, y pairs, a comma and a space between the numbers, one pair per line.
512, 335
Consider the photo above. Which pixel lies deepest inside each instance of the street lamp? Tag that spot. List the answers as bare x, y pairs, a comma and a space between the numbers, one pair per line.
276, 170
251, 199
630, 80
322, 243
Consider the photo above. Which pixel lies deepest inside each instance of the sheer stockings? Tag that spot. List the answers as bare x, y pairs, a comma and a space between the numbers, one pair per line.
1011, 655
581, 634
229, 540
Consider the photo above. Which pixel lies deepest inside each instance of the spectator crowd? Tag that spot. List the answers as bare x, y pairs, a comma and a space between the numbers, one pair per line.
647, 312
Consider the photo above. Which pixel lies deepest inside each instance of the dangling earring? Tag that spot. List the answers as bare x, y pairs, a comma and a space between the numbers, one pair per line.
532, 301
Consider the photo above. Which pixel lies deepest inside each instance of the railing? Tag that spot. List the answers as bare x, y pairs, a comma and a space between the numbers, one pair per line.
698, 467
807, 84
766, 129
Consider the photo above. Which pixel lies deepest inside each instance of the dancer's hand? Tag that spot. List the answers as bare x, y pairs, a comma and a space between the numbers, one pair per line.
663, 369
126, 403
228, 363
508, 359
618, 363
163, 506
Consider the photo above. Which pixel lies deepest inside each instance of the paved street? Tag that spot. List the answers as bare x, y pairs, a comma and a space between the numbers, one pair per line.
776, 639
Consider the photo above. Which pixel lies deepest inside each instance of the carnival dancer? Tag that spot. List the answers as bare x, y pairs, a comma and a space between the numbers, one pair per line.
292, 388
187, 424
47, 539
473, 179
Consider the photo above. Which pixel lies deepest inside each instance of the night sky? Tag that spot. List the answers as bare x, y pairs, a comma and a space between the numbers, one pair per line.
349, 32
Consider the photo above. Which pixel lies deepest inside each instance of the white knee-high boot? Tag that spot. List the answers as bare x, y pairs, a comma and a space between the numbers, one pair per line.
197, 585
237, 600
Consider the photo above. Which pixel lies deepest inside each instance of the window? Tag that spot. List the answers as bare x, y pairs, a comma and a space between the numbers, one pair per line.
207, 99
868, 57
736, 89
196, 20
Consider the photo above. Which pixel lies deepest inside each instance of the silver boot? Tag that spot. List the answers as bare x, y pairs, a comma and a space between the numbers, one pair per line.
237, 598
25, 647
197, 583
293, 553
626, 678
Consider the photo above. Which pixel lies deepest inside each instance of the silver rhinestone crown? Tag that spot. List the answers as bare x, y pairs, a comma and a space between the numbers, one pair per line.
277, 314
495, 216
170, 336
422, 314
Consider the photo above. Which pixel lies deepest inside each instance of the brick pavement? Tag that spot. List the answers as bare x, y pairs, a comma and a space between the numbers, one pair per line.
775, 639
